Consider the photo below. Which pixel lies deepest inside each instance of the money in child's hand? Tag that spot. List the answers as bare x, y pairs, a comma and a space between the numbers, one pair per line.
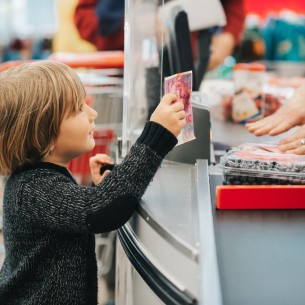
181, 85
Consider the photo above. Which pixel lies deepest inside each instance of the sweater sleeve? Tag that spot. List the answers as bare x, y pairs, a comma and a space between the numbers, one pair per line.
86, 20
58, 203
235, 14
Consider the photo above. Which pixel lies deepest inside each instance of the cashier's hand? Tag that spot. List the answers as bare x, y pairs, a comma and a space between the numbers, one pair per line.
289, 115
170, 114
96, 162
295, 143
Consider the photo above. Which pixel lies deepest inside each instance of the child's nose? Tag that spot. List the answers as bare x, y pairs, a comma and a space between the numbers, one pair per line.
93, 114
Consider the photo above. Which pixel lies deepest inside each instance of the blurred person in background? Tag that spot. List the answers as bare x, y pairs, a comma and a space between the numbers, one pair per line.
101, 22
225, 39
67, 38
212, 46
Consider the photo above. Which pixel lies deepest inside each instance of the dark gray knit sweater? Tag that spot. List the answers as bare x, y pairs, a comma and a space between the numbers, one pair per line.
50, 221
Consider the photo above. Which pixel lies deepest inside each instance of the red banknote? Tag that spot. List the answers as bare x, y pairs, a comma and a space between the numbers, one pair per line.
181, 85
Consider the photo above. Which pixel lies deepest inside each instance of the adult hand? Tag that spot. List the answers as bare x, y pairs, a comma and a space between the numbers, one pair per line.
289, 115
295, 143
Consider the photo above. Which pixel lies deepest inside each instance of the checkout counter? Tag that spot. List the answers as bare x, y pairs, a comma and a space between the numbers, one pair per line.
178, 248
201, 255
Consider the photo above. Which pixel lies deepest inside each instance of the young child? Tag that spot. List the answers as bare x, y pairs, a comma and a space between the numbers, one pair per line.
49, 220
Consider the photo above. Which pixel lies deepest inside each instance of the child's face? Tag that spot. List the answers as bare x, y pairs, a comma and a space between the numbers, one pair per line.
75, 137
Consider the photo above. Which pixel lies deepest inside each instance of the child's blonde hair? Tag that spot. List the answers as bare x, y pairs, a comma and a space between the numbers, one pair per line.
34, 99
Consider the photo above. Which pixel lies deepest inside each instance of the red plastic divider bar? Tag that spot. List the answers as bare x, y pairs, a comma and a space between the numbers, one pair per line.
246, 197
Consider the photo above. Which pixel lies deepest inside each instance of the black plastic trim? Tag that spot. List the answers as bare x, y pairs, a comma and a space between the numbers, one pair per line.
162, 287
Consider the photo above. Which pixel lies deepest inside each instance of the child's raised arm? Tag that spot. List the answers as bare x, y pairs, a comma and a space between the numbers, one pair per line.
109, 204
169, 114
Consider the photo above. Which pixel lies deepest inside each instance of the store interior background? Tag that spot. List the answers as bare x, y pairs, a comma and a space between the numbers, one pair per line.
35, 29
32, 29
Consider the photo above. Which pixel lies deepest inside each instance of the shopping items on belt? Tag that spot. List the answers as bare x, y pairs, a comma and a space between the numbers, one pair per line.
258, 176
261, 164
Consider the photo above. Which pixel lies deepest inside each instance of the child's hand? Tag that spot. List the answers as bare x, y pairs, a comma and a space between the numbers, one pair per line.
170, 114
96, 162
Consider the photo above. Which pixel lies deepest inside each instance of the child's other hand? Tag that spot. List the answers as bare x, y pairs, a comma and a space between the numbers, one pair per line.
96, 162
170, 114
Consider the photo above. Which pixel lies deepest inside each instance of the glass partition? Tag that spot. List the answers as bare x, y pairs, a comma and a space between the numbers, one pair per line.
158, 44
141, 68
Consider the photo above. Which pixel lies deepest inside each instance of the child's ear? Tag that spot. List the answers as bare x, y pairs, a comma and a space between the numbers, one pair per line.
52, 149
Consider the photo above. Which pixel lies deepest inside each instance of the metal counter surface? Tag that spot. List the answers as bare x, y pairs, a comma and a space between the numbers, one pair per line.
170, 203
170, 206
177, 205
